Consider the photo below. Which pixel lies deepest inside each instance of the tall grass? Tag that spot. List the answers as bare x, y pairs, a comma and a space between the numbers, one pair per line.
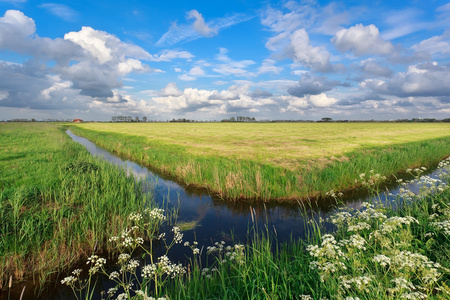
58, 204
235, 178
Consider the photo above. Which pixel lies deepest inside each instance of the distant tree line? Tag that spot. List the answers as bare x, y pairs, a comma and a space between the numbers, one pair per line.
239, 119
182, 120
127, 119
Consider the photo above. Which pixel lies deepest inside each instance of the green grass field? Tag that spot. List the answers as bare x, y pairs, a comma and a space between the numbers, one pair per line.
56, 201
266, 161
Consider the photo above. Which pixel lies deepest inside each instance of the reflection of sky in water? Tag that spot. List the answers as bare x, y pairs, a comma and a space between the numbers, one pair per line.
217, 218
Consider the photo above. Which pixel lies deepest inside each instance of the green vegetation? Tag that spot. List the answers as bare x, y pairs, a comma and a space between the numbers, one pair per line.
375, 253
56, 201
273, 161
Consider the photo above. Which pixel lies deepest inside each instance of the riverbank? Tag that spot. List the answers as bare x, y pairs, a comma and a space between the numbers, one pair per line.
58, 204
376, 252
273, 162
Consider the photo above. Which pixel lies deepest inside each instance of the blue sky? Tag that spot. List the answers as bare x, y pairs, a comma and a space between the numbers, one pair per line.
210, 60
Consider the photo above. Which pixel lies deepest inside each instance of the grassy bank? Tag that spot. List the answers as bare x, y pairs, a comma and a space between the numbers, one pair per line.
56, 201
273, 161
373, 253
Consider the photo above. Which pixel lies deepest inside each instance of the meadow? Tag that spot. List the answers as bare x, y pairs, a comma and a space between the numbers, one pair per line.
59, 206
273, 161
57, 203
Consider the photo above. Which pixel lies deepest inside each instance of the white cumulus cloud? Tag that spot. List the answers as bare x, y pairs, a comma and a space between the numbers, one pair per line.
321, 100
362, 40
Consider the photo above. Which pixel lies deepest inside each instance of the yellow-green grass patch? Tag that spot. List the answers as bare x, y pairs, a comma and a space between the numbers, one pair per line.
288, 145
273, 160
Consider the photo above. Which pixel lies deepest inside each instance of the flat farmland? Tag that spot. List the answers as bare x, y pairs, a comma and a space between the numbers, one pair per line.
273, 160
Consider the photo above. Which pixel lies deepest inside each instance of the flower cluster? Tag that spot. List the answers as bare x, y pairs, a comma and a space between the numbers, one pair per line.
340, 258
177, 235
163, 266
360, 283
135, 217
329, 257
155, 214
96, 263
441, 219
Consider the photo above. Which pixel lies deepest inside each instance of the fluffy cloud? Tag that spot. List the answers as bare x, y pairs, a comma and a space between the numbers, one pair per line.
105, 62
321, 100
85, 66
308, 102
16, 34
291, 26
234, 92
295, 104
300, 50
171, 89
236, 99
292, 41
425, 80
188, 100
362, 40
15, 23
103, 46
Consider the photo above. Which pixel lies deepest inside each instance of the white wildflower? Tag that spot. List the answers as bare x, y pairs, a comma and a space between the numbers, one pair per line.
135, 217
122, 296
114, 275
177, 235
124, 257
112, 291
77, 272
358, 227
149, 271
383, 260
132, 265
69, 280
